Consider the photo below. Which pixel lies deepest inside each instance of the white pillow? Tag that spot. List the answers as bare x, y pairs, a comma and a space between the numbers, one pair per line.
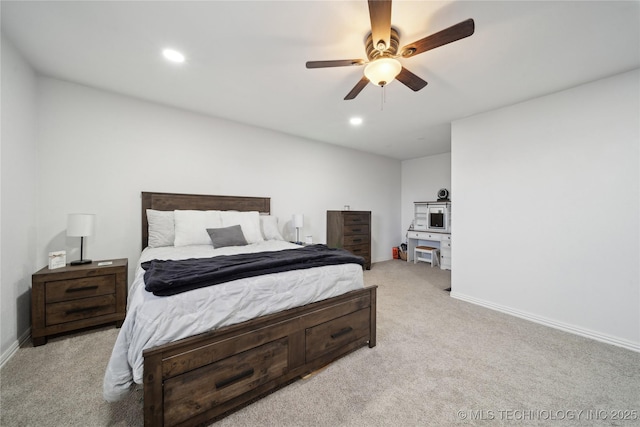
269, 225
248, 221
191, 227
161, 228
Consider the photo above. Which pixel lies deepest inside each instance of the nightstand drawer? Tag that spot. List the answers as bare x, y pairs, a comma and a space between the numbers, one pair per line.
66, 290
62, 312
336, 333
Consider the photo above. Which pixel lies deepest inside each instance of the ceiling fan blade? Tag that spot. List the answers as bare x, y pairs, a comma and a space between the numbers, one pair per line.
455, 32
357, 88
380, 15
410, 80
336, 63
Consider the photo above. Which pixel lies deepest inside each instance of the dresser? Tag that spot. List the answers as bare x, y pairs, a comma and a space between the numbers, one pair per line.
75, 297
350, 230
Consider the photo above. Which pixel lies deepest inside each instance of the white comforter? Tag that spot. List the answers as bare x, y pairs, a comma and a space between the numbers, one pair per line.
153, 320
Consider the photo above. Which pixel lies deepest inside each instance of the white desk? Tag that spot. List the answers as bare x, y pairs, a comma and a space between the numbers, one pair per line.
441, 241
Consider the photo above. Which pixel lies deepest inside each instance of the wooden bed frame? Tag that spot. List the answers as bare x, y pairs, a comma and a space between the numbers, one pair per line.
205, 377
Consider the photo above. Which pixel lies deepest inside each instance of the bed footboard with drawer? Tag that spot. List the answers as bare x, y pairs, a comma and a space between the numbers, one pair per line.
204, 377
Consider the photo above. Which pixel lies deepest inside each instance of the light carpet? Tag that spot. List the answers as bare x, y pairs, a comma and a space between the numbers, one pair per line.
438, 361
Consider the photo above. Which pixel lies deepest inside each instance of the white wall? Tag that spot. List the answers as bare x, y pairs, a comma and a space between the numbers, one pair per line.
547, 209
99, 150
18, 197
421, 180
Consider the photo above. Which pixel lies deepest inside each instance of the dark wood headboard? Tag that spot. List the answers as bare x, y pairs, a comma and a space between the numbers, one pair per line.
173, 201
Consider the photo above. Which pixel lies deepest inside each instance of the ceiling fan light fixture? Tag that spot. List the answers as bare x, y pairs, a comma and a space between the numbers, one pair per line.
382, 71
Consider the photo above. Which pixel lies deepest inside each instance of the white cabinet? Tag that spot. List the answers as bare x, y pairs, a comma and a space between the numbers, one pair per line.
432, 216
420, 216
445, 252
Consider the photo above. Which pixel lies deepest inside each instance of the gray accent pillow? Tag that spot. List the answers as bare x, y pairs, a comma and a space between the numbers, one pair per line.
227, 236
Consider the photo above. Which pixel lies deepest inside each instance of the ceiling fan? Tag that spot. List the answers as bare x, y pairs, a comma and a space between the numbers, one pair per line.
382, 44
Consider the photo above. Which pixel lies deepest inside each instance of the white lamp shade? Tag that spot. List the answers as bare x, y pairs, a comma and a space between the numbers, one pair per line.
80, 225
298, 220
382, 71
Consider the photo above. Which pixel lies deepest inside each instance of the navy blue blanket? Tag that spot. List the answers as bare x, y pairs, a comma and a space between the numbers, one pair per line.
168, 277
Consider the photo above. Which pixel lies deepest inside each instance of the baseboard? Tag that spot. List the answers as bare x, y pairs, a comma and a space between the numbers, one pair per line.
608, 339
4, 358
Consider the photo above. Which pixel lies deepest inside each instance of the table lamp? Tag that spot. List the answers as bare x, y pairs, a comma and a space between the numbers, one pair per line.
298, 223
80, 225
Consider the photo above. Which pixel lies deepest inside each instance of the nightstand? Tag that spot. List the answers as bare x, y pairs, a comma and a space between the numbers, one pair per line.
75, 297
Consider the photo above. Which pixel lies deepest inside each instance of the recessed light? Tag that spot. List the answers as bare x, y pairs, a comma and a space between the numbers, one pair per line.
355, 121
173, 55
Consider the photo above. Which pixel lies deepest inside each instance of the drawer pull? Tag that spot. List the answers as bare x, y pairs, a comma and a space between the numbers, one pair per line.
88, 288
342, 332
80, 310
357, 240
235, 378
356, 230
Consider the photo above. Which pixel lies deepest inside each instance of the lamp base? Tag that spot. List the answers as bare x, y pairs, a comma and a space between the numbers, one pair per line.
81, 262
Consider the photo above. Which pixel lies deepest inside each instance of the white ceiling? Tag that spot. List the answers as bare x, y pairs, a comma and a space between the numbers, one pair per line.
246, 59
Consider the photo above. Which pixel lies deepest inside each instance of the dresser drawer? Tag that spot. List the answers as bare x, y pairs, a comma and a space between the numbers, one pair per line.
361, 250
356, 218
65, 290
356, 229
201, 389
336, 333
445, 244
68, 311
358, 239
